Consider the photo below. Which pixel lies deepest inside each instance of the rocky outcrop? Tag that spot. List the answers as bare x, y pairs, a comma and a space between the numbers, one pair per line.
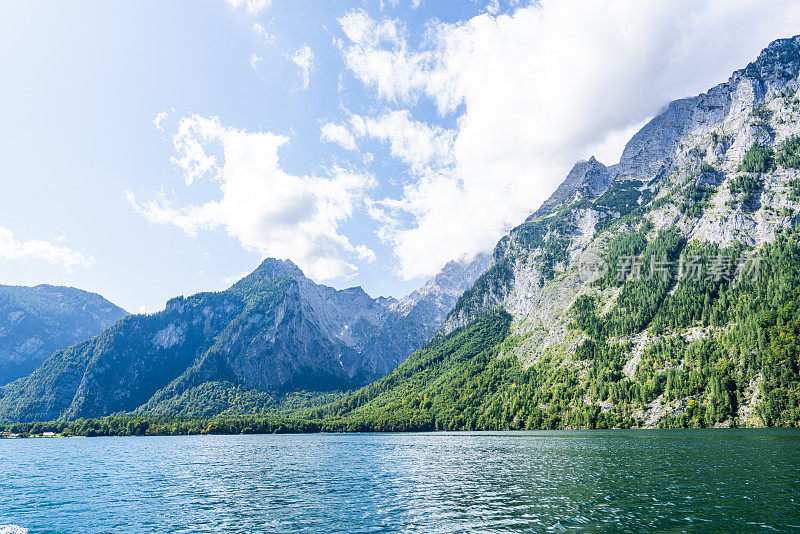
588, 177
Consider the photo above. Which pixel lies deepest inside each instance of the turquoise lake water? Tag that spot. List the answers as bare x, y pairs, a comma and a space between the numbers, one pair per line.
593, 481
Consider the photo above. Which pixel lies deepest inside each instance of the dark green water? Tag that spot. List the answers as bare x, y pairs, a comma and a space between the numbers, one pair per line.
614, 481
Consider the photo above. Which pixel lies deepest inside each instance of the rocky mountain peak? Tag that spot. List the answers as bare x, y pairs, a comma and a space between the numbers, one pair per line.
458, 275
780, 59
652, 150
589, 177
596, 177
270, 270
273, 269
454, 278
679, 171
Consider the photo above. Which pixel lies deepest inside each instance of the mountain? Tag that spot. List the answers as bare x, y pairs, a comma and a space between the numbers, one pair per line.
416, 317
36, 321
237, 351
663, 290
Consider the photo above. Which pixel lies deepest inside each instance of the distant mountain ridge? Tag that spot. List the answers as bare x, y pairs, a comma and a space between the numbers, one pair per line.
36, 321
273, 331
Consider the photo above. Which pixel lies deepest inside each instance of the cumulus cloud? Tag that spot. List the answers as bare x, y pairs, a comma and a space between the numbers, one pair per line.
338, 134
365, 254
379, 56
36, 249
532, 92
268, 210
304, 59
255, 60
252, 7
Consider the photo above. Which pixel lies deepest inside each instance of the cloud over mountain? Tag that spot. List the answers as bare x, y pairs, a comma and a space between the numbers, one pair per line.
530, 92
268, 210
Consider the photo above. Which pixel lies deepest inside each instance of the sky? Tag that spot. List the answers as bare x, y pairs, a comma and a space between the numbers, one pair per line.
150, 149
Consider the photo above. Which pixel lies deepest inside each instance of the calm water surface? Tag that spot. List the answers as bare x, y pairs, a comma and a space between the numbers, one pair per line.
616, 481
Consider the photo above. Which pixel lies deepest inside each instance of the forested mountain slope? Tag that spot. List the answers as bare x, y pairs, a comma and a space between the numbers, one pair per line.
662, 290
237, 351
36, 321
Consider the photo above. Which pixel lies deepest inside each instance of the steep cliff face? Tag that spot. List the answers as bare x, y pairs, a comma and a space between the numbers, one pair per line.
273, 332
712, 184
697, 142
35, 321
704, 169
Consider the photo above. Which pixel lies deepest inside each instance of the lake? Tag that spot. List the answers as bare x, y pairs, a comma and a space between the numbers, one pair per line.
594, 481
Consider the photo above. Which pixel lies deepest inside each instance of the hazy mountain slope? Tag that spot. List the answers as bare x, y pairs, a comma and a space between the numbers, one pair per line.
710, 185
36, 321
122, 367
419, 315
273, 332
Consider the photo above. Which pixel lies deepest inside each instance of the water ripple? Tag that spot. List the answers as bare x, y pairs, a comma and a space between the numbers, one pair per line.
616, 481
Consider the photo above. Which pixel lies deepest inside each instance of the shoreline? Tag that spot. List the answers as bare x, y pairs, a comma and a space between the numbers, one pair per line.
185, 429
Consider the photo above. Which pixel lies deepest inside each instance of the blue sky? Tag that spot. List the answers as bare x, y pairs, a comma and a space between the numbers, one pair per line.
153, 148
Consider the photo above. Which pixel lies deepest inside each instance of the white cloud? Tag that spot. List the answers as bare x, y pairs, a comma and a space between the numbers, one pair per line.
263, 33
157, 121
304, 59
415, 143
35, 249
532, 92
339, 134
379, 56
365, 254
252, 7
267, 209
255, 60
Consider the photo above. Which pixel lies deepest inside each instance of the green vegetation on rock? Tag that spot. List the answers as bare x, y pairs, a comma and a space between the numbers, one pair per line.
748, 189
758, 158
789, 152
